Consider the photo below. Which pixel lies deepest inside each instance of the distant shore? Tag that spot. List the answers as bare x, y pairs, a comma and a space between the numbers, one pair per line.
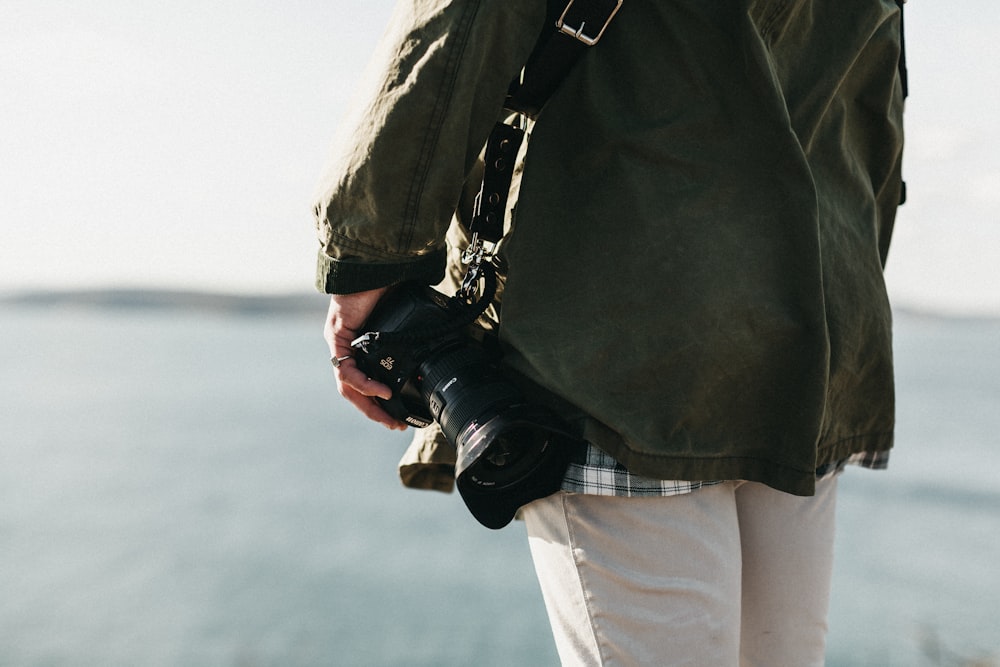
297, 303
303, 303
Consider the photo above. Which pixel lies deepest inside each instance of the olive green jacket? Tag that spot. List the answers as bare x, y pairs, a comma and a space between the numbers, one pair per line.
694, 276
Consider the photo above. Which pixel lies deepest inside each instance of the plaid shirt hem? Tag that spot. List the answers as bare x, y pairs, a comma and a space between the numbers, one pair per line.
594, 472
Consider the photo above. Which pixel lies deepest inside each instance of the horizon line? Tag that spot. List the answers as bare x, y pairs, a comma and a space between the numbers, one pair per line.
305, 300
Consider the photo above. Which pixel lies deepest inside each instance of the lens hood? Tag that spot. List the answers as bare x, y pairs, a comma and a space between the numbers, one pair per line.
509, 461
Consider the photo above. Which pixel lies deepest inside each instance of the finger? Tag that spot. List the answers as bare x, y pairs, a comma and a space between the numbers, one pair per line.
340, 344
353, 377
361, 391
372, 410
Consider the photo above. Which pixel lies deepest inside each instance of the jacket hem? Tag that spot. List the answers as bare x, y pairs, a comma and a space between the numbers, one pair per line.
879, 441
796, 480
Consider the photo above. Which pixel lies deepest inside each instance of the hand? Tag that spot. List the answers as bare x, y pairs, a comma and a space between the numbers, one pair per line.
347, 314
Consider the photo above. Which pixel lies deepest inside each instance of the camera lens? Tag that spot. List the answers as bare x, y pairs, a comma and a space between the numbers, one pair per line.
508, 452
498, 437
504, 452
461, 387
508, 459
501, 453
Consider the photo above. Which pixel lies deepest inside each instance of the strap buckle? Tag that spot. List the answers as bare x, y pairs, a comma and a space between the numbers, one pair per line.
588, 39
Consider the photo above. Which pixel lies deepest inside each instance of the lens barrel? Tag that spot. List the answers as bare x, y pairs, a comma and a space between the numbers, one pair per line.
460, 386
508, 451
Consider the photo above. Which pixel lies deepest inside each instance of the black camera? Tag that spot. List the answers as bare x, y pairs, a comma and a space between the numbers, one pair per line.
508, 451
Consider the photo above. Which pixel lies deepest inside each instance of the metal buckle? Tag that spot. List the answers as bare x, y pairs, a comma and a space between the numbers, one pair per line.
578, 32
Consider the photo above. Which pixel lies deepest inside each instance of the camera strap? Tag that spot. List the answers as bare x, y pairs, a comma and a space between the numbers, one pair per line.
570, 29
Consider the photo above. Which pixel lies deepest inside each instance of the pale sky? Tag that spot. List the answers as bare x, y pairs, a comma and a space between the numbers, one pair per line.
179, 143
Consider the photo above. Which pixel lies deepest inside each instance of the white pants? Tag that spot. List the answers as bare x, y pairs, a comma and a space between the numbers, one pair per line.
731, 574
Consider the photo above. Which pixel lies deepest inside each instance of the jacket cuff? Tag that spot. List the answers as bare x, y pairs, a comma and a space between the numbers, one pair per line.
346, 276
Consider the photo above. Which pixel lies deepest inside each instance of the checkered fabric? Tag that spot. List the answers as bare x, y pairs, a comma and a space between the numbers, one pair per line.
594, 472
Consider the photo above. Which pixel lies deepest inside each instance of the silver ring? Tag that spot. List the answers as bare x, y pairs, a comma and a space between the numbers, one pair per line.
336, 361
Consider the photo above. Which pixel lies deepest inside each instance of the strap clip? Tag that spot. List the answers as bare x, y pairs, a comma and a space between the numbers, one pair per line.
473, 257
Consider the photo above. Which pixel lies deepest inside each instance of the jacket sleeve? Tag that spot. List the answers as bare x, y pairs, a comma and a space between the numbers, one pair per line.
434, 90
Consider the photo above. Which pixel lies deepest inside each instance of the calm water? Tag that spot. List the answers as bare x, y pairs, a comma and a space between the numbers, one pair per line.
187, 489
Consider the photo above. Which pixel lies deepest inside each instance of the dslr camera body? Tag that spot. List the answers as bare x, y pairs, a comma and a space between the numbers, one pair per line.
508, 451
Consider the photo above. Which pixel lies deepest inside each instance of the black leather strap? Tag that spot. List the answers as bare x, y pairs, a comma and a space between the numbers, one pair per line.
498, 172
570, 29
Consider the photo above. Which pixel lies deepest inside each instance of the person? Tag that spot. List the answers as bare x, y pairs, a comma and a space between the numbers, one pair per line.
693, 279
